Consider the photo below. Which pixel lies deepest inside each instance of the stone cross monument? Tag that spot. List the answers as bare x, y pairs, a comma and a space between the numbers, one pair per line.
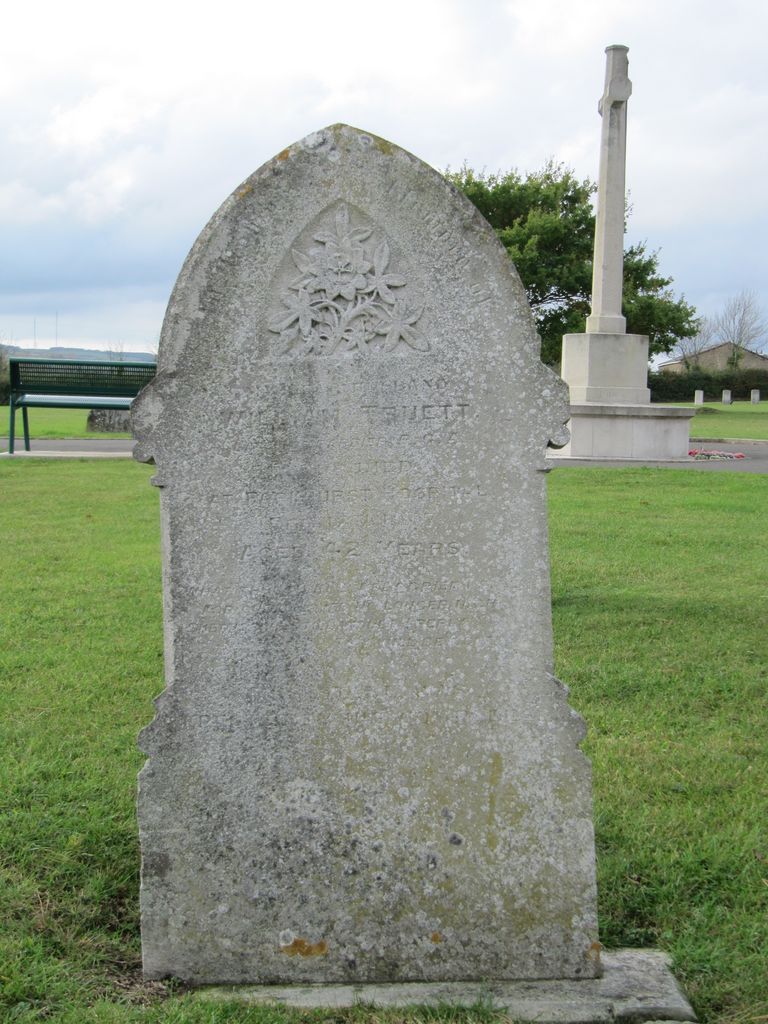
607, 268
605, 368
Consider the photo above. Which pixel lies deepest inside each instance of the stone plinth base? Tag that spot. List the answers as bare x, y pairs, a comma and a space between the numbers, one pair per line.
606, 368
632, 432
637, 985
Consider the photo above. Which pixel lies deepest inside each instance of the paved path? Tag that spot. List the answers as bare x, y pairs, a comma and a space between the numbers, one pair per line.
756, 460
756, 453
98, 448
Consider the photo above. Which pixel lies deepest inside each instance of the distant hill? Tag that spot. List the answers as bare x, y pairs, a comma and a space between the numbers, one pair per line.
62, 352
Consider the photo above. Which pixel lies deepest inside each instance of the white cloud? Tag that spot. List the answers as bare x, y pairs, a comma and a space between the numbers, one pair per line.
98, 120
121, 141
102, 194
22, 204
105, 318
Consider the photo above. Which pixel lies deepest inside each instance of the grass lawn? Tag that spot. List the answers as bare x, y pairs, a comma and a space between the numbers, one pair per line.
659, 609
51, 423
741, 420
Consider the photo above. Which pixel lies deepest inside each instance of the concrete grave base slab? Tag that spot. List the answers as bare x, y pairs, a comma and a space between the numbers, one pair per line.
637, 985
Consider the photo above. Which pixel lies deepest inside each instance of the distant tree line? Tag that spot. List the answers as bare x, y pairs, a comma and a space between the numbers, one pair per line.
546, 223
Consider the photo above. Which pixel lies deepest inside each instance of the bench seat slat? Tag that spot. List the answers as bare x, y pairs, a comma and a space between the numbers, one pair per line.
73, 402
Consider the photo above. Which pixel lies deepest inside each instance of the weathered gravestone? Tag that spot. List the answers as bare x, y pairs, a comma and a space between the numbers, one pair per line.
362, 767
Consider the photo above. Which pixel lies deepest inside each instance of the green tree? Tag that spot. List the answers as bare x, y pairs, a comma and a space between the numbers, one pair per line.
741, 323
546, 223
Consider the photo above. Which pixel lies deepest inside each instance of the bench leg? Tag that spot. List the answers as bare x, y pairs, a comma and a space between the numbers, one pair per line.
11, 428
24, 416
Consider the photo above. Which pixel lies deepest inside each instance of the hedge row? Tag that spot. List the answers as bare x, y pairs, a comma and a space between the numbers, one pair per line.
680, 387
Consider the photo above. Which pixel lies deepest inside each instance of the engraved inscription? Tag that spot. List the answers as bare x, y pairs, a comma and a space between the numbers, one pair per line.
343, 497
388, 414
420, 548
346, 297
259, 420
272, 420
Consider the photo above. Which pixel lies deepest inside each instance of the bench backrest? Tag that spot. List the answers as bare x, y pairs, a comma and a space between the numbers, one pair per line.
80, 377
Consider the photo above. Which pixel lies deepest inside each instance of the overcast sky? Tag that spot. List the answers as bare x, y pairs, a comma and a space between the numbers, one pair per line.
124, 127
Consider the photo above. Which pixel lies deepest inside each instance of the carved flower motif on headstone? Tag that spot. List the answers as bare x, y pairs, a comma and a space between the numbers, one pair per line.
346, 298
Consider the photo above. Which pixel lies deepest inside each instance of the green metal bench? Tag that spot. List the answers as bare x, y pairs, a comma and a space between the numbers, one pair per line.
72, 384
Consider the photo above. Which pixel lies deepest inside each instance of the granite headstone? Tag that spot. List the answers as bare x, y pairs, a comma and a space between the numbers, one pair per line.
362, 767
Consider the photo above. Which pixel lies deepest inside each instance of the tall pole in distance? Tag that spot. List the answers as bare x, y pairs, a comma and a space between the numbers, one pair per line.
608, 267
